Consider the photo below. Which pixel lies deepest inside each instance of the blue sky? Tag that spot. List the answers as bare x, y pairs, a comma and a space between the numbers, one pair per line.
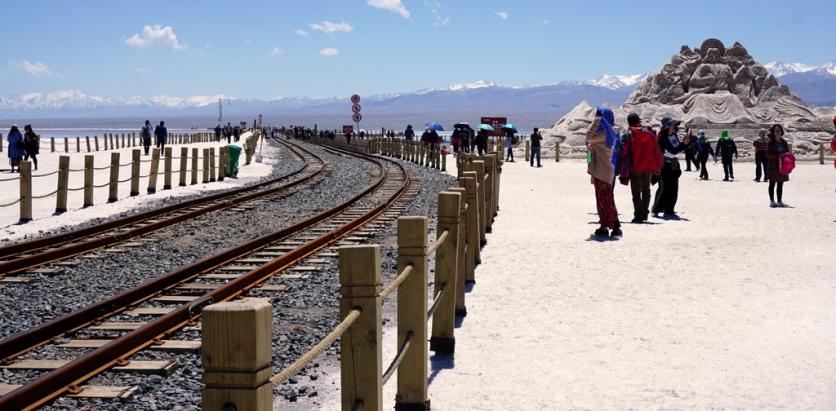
255, 48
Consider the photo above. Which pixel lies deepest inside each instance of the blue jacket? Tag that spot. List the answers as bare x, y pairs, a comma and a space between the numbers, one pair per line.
15, 140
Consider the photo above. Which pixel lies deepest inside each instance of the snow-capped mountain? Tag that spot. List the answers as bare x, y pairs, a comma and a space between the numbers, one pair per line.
781, 69
472, 86
612, 82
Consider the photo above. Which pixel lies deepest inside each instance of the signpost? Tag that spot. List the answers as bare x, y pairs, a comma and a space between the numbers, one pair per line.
496, 123
355, 109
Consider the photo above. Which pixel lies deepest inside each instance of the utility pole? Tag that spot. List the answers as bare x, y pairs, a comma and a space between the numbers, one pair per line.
221, 110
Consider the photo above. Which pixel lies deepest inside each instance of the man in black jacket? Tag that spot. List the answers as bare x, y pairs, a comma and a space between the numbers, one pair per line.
535, 147
668, 191
161, 135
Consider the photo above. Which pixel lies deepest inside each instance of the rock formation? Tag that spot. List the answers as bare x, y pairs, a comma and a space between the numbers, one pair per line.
711, 87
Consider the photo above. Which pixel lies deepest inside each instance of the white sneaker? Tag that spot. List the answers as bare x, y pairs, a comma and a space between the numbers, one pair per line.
773, 204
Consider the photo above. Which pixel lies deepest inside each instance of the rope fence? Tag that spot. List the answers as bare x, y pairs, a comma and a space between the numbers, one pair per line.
465, 214
213, 168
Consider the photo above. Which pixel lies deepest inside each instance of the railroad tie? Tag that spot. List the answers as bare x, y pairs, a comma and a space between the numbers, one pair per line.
86, 391
163, 367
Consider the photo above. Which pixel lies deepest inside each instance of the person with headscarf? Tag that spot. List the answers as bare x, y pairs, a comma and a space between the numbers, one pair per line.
775, 148
725, 150
16, 151
668, 191
31, 145
600, 139
703, 151
760, 155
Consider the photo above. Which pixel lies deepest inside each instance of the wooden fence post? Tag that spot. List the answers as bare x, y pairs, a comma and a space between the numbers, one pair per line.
96, 139
184, 165
52, 144
821, 153
112, 146
479, 167
443, 341
222, 153
135, 162
167, 169
205, 165
87, 140
77, 144
155, 167
236, 352
89, 160
490, 188
361, 351
212, 164
66, 145
113, 194
412, 314
468, 180
556, 151
444, 161
25, 191
63, 179
527, 150
194, 165
461, 260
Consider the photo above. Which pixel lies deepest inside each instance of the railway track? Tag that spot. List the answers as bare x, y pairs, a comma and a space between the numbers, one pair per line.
32, 256
174, 301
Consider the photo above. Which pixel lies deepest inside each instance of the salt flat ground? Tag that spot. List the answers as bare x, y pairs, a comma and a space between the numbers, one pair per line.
734, 307
43, 209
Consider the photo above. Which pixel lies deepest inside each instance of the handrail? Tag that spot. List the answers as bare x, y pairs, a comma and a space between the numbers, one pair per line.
396, 282
318, 349
438, 242
398, 358
437, 300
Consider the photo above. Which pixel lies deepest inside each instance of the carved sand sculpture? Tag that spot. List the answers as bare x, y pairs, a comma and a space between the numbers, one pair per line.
713, 88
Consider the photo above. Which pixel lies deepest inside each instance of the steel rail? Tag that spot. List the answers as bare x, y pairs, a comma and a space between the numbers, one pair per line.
50, 385
87, 239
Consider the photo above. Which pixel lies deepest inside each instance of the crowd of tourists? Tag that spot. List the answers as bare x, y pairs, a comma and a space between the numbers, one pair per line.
642, 157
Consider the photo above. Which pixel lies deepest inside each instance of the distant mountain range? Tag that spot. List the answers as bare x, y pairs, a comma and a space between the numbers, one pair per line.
528, 105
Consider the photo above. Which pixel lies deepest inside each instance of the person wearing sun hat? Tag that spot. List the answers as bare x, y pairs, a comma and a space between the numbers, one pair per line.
668, 191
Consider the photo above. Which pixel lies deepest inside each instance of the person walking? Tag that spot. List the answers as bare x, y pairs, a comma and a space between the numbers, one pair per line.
218, 130
668, 191
510, 139
726, 149
409, 133
31, 145
703, 151
161, 134
645, 157
236, 133
536, 138
600, 138
760, 155
481, 142
456, 140
228, 133
775, 148
145, 136
691, 151
16, 150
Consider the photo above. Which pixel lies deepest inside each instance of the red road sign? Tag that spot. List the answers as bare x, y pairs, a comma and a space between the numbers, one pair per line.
355, 108
355, 99
357, 117
496, 123
348, 129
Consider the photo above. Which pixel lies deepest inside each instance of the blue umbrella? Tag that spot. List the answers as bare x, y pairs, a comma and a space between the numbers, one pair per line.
487, 127
435, 126
510, 126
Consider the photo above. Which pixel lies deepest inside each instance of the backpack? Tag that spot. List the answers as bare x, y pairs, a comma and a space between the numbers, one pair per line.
786, 163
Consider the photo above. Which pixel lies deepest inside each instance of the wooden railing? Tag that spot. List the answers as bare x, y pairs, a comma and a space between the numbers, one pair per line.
237, 335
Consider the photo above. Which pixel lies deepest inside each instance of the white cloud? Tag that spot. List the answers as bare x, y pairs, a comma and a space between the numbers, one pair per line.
438, 19
394, 6
301, 33
34, 69
328, 27
156, 35
328, 52
502, 14
276, 51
